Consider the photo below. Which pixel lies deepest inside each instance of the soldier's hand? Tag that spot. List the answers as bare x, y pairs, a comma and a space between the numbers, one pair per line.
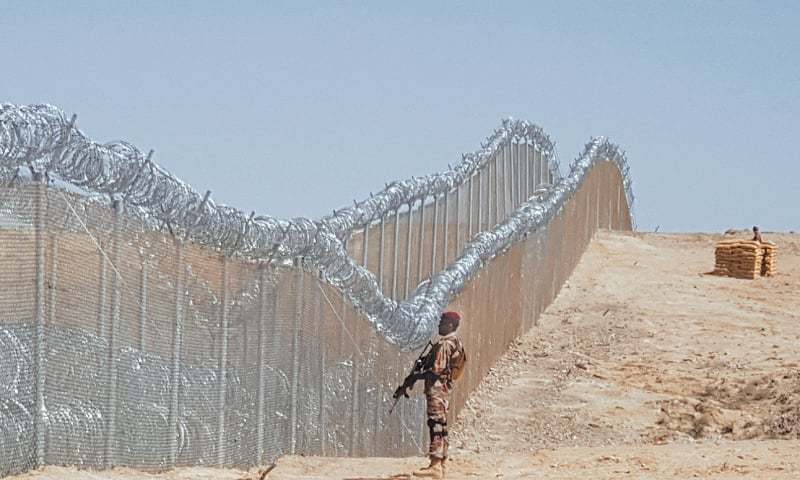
401, 390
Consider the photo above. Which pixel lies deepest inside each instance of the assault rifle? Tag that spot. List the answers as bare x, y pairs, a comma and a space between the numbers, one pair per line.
411, 378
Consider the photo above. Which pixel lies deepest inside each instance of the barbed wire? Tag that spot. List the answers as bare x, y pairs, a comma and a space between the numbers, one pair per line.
42, 139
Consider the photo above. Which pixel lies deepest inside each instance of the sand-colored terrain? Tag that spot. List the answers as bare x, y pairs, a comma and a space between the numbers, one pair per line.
644, 367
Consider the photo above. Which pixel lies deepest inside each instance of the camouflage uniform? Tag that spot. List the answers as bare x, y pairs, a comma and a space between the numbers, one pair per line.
446, 357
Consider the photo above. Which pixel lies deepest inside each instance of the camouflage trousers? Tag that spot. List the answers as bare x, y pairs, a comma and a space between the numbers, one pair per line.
437, 396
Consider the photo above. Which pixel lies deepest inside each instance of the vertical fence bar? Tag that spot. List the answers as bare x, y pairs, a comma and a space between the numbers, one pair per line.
528, 183
298, 309
381, 252
446, 221
408, 249
433, 234
542, 167
479, 202
111, 406
102, 319
487, 207
490, 187
500, 159
323, 420
515, 175
526, 192
421, 240
143, 304
365, 253
509, 179
496, 197
520, 178
51, 320
222, 377
177, 342
469, 208
40, 194
458, 221
597, 208
355, 385
262, 363
510, 161
396, 249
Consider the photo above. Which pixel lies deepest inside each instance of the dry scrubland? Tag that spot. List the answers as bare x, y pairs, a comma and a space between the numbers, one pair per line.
644, 367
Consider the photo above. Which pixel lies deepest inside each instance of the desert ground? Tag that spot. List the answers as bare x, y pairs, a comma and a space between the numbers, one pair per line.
645, 366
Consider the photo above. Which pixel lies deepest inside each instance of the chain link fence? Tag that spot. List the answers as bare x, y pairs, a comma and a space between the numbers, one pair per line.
123, 344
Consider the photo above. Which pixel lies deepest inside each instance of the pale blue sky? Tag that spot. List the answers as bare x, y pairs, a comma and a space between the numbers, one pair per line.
297, 108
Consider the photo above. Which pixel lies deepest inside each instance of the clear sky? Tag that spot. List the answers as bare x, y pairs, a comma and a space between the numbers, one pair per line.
297, 108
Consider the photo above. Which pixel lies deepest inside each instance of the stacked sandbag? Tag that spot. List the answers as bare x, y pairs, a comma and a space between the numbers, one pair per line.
768, 263
738, 258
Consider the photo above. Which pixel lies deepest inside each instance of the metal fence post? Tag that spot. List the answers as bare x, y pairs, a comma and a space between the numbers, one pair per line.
143, 305
518, 166
543, 165
421, 240
434, 219
365, 255
40, 194
597, 209
396, 249
469, 209
495, 199
296, 355
525, 170
51, 320
501, 192
381, 252
511, 189
222, 372
102, 319
355, 385
531, 159
408, 249
111, 406
458, 221
322, 418
262, 363
177, 342
514, 175
480, 203
446, 223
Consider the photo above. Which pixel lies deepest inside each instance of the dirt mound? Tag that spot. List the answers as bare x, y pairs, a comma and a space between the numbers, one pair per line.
766, 406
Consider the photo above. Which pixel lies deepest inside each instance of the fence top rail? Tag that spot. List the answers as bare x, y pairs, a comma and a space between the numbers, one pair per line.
42, 139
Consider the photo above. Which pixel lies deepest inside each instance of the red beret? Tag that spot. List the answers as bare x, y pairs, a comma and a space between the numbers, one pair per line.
451, 316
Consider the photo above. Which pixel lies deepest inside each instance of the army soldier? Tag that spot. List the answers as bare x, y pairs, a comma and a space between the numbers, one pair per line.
443, 365
757, 235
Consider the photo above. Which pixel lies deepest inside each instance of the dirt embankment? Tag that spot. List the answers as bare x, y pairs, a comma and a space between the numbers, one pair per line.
644, 367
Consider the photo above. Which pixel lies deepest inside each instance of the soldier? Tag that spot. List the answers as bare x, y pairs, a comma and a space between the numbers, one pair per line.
443, 365
757, 235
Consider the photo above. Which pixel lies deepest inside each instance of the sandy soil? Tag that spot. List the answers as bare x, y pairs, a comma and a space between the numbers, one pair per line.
644, 367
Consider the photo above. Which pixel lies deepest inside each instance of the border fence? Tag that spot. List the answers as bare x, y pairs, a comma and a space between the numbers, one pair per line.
144, 325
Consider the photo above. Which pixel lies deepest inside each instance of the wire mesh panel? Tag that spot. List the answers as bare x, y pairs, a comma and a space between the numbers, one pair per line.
124, 342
